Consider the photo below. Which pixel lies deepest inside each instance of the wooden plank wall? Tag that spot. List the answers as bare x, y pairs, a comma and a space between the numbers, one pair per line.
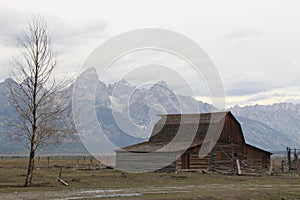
256, 158
128, 161
223, 159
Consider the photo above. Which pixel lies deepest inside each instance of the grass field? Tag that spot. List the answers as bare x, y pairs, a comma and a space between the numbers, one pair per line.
87, 183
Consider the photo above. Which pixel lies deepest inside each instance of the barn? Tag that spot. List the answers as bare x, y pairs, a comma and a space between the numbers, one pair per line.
194, 142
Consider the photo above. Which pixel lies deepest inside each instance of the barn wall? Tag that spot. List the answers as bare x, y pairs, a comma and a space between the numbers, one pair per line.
230, 147
225, 156
194, 162
128, 161
221, 159
231, 132
256, 158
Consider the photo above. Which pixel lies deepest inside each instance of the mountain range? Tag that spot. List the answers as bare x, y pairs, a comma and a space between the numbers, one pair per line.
127, 115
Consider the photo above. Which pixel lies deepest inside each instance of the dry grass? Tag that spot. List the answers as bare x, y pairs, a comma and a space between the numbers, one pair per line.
148, 185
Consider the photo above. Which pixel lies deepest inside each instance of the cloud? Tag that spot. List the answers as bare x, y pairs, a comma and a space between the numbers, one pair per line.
241, 88
65, 33
290, 94
12, 23
241, 34
71, 42
62, 32
286, 94
264, 96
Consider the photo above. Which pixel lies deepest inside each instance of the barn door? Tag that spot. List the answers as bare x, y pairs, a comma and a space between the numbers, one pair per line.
185, 159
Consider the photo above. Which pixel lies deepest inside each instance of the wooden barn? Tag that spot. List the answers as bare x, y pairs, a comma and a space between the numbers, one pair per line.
195, 142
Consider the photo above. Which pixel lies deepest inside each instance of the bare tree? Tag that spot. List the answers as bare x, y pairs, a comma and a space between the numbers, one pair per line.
36, 96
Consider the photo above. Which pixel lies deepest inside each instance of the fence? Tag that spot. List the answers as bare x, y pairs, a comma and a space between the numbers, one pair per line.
68, 161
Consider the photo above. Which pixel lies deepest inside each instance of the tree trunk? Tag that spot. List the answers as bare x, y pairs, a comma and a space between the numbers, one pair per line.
28, 180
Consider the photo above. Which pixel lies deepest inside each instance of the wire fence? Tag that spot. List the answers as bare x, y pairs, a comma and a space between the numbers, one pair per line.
67, 161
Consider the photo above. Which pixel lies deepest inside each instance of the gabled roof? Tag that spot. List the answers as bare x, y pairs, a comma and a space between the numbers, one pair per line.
202, 118
192, 128
186, 125
170, 125
149, 146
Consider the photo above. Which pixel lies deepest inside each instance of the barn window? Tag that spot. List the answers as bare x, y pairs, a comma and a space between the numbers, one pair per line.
228, 138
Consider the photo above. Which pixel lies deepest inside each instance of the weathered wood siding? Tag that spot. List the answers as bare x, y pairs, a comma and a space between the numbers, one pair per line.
222, 158
194, 162
256, 158
136, 162
232, 132
230, 147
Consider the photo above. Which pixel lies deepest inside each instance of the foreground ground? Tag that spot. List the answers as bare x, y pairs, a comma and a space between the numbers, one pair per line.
94, 183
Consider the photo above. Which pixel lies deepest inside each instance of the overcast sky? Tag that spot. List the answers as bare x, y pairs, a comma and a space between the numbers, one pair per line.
255, 45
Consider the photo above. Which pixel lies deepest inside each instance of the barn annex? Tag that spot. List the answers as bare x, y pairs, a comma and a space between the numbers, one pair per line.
166, 150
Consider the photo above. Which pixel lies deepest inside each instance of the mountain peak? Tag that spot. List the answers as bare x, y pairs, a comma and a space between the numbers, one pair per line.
124, 82
236, 107
9, 81
162, 83
91, 70
120, 87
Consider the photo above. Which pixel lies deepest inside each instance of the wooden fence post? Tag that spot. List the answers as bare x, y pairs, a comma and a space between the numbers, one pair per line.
271, 167
282, 166
298, 167
238, 167
289, 159
59, 179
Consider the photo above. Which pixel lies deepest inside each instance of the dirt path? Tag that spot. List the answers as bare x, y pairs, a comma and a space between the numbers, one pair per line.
231, 191
80, 194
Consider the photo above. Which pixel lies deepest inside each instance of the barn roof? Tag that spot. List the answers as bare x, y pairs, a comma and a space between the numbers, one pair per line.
176, 132
187, 126
159, 147
203, 118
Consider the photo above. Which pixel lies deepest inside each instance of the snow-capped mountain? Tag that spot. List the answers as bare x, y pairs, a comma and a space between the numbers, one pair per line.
127, 115
282, 121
